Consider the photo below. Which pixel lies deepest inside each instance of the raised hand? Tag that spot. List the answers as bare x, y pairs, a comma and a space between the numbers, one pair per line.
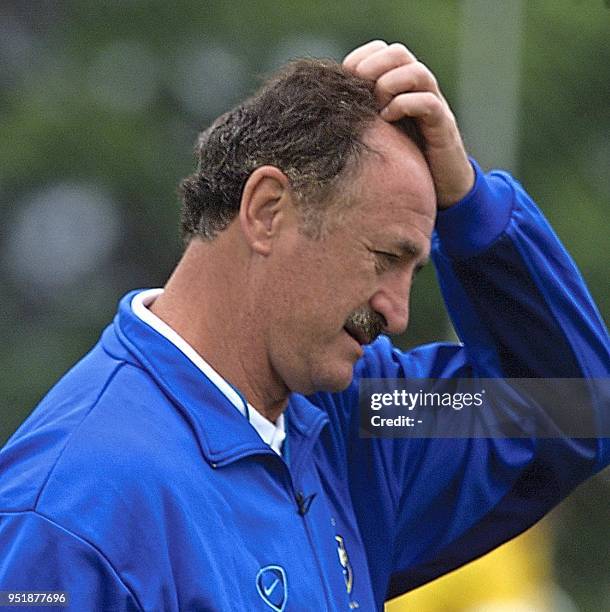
405, 87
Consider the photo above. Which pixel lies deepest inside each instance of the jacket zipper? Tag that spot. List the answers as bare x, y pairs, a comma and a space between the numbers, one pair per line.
313, 549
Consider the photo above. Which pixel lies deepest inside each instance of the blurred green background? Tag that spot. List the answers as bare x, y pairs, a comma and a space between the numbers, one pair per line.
100, 103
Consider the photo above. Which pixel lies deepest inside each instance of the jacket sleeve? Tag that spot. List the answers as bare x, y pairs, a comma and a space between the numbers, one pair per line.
38, 555
521, 309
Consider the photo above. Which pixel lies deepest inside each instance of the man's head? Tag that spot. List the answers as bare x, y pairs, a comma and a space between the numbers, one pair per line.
308, 121
321, 213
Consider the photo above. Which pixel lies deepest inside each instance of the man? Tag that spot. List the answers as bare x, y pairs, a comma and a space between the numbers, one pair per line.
205, 455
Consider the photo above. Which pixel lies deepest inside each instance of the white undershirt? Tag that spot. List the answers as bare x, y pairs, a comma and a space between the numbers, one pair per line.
272, 434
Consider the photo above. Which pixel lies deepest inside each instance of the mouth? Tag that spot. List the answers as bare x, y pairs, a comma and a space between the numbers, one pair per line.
356, 333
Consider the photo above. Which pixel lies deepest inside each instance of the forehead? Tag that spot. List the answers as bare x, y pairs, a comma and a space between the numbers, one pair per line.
393, 194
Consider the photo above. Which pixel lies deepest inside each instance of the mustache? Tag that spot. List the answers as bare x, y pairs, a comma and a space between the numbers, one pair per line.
365, 325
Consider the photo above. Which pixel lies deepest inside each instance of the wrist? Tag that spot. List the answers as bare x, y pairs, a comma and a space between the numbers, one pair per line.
460, 188
473, 223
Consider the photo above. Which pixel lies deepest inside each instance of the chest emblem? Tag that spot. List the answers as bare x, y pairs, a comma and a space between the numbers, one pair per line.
272, 586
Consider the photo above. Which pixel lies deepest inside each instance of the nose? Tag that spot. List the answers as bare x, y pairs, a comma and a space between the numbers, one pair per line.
392, 302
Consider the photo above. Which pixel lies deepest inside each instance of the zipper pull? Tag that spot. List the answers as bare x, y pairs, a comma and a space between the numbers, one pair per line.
304, 502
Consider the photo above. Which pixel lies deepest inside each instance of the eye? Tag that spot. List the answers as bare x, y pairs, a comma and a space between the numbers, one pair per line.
385, 260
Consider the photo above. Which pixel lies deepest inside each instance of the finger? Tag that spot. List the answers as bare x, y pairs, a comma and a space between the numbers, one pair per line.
421, 105
353, 58
383, 60
410, 77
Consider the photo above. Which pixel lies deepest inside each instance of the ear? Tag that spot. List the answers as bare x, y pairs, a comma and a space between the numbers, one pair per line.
264, 207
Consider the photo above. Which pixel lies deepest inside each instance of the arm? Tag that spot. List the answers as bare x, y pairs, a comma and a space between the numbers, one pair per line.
521, 309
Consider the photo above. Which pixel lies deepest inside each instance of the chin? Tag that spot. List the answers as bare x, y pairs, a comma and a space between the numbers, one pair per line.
320, 373
334, 379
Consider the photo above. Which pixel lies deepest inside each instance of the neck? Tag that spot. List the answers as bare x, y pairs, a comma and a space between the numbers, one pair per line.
216, 319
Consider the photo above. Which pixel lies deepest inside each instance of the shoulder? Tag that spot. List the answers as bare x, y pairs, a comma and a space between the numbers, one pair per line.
106, 431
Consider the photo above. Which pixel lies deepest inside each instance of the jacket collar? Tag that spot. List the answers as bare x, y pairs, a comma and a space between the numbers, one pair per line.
224, 435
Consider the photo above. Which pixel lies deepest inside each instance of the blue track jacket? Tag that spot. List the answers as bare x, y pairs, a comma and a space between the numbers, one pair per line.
136, 485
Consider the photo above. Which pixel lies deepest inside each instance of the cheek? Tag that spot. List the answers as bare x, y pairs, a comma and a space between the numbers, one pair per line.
312, 358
